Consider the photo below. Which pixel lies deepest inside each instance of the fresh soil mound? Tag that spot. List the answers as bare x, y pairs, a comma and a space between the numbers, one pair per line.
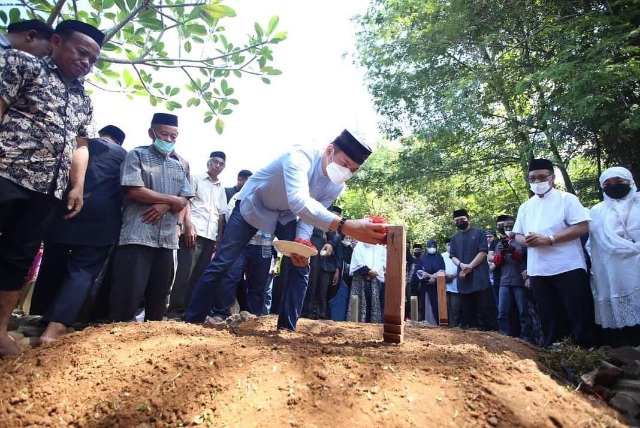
326, 374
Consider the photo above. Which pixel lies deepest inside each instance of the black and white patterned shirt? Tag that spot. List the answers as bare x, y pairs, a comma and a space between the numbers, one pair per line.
146, 167
39, 128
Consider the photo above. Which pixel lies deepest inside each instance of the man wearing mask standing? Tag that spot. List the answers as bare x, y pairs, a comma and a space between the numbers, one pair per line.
550, 225
468, 252
302, 183
156, 190
47, 118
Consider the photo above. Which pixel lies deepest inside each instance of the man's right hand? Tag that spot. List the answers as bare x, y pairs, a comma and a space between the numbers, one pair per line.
178, 203
364, 230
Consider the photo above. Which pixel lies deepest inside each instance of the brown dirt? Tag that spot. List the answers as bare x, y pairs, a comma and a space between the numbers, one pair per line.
327, 374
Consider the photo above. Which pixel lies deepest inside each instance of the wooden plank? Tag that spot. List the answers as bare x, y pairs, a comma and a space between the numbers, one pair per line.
394, 298
353, 304
414, 308
393, 329
442, 299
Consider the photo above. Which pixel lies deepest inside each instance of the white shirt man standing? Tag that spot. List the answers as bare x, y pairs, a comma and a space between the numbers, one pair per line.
550, 225
203, 225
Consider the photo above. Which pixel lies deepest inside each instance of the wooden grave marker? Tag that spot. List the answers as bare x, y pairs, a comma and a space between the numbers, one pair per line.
443, 316
394, 294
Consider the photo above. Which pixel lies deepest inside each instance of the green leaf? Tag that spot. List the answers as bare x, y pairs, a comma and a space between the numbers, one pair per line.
279, 37
273, 23
187, 46
131, 4
219, 126
208, 119
127, 76
226, 111
218, 11
265, 80
14, 14
259, 30
107, 4
174, 92
3, 16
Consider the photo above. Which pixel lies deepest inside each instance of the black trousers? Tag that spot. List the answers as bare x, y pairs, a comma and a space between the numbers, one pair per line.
478, 310
67, 273
192, 261
565, 306
24, 218
140, 272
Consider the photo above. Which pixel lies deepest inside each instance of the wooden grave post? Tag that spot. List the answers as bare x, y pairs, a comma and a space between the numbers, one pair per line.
443, 316
394, 293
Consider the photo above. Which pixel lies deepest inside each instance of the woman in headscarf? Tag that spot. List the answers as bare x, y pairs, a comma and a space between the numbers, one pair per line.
368, 264
615, 251
427, 266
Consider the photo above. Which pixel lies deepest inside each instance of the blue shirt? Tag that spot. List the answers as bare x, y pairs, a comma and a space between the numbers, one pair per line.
291, 186
98, 223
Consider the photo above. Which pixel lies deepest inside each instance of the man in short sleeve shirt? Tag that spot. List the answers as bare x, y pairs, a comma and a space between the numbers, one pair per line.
468, 251
156, 189
550, 224
45, 113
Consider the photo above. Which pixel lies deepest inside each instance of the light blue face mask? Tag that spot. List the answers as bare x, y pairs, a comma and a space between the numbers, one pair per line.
163, 147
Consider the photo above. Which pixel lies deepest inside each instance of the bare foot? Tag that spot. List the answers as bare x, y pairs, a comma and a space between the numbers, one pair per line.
8, 346
53, 331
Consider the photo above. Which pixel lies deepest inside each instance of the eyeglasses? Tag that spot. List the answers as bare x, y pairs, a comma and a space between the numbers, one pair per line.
541, 177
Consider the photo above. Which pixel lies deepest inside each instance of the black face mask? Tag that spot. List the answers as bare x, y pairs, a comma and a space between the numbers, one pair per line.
617, 191
462, 225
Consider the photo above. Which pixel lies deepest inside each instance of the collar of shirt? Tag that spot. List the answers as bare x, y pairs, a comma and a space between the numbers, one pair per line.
206, 176
4, 42
50, 63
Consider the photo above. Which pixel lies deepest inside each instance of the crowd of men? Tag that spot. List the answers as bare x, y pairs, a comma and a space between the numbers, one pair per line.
159, 241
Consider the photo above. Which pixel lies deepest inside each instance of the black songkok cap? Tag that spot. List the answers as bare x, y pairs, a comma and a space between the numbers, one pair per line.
540, 164
164, 119
502, 217
81, 27
40, 27
114, 132
335, 209
220, 155
490, 232
460, 213
357, 151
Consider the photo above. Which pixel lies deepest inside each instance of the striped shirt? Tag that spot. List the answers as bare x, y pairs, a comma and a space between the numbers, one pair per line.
146, 167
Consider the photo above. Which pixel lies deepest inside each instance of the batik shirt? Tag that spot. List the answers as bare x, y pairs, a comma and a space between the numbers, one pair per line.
39, 127
147, 167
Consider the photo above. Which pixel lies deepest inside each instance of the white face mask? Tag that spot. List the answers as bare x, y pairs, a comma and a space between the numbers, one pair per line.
540, 188
510, 233
338, 174
431, 250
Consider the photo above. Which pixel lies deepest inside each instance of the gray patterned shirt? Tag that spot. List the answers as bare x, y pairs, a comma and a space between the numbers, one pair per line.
146, 167
39, 128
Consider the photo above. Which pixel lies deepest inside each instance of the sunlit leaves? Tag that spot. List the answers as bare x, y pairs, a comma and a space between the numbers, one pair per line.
175, 52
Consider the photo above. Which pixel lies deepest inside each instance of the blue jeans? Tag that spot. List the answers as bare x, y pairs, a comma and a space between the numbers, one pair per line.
214, 295
256, 267
508, 296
